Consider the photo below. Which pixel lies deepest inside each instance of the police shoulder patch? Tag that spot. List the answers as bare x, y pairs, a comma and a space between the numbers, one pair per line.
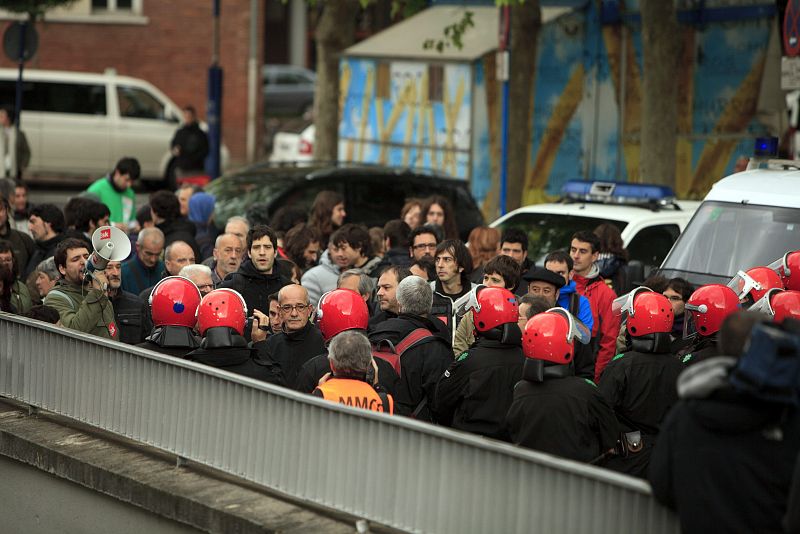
617, 357
590, 382
686, 358
462, 356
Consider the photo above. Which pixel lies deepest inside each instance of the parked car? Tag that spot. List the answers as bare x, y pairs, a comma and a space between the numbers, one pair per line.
288, 89
649, 218
292, 146
373, 194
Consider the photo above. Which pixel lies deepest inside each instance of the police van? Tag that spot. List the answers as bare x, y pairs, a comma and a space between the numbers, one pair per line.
649, 218
748, 219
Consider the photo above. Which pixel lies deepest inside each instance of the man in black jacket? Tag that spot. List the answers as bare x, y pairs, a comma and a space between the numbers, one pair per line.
21, 243
640, 383
475, 392
301, 340
422, 364
46, 224
726, 451
165, 209
260, 275
190, 145
129, 310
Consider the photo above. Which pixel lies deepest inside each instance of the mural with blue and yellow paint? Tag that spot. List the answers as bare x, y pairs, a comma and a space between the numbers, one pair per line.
579, 128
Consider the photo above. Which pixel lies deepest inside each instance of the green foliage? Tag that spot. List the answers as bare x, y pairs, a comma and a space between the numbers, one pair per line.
453, 34
34, 8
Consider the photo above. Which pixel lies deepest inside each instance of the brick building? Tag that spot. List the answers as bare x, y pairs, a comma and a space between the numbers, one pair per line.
168, 43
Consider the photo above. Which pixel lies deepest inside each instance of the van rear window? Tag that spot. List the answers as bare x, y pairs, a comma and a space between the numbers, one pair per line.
75, 98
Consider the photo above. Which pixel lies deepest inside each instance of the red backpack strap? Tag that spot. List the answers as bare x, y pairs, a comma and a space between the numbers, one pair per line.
411, 339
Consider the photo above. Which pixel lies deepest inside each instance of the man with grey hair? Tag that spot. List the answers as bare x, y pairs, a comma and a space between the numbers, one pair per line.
427, 347
360, 282
200, 275
145, 268
177, 255
130, 311
353, 380
226, 257
240, 227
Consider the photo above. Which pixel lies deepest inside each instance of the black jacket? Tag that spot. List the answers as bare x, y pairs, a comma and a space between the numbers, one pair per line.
309, 374
175, 341
476, 391
287, 352
131, 316
181, 229
21, 244
563, 416
379, 317
702, 348
43, 250
193, 143
394, 256
641, 388
420, 366
238, 359
256, 287
725, 463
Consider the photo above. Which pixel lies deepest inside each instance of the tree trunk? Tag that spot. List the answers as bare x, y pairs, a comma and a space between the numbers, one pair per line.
334, 33
526, 19
661, 45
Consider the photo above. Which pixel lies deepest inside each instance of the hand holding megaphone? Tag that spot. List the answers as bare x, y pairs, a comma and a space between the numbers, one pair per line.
109, 244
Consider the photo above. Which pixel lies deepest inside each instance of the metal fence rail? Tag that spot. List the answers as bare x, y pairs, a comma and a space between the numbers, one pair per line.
392, 470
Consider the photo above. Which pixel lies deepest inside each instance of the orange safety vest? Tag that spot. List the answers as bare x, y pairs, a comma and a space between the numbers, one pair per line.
354, 393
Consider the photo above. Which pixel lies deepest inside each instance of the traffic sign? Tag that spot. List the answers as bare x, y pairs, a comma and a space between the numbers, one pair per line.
13, 37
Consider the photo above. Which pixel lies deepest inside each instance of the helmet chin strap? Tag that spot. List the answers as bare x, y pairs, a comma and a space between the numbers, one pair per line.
656, 343
222, 337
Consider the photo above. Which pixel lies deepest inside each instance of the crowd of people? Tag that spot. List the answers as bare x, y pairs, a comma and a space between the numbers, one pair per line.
696, 389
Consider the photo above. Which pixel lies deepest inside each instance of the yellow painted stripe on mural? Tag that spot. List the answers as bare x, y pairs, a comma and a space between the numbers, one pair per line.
554, 133
412, 110
365, 100
683, 163
451, 115
394, 117
736, 116
421, 116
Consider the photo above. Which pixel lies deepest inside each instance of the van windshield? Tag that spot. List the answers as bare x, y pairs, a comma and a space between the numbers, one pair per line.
723, 238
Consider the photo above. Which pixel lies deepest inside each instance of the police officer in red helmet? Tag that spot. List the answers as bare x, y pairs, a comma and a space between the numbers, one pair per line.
554, 411
221, 320
339, 311
475, 392
173, 308
708, 306
640, 384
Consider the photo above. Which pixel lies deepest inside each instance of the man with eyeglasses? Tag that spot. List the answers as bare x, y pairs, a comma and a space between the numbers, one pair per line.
423, 243
300, 339
200, 275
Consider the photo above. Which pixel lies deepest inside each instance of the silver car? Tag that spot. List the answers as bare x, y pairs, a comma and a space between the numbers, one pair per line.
288, 89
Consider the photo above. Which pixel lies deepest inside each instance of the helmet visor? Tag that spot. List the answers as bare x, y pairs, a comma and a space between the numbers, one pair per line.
764, 304
623, 306
742, 284
689, 322
577, 330
780, 265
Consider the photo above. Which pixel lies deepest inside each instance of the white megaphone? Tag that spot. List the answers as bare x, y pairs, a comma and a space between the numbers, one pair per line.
110, 244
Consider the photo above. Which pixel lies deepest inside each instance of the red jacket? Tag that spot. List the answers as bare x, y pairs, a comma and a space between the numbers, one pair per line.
606, 325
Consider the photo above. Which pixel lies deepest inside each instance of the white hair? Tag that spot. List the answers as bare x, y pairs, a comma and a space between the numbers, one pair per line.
350, 353
415, 296
189, 271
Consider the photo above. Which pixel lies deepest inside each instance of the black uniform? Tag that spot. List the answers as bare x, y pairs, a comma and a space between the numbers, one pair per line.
43, 250
378, 317
725, 463
421, 365
233, 355
287, 352
255, 286
175, 341
193, 143
131, 316
563, 416
309, 374
702, 348
641, 388
476, 391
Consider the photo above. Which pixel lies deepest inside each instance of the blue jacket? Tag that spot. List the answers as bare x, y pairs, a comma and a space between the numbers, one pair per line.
136, 277
584, 308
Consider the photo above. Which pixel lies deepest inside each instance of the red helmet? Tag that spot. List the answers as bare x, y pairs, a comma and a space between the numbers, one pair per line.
174, 301
755, 282
709, 305
222, 307
492, 307
651, 313
788, 267
550, 336
340, 310
779, 304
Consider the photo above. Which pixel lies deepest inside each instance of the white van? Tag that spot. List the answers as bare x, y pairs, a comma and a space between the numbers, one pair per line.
81, 124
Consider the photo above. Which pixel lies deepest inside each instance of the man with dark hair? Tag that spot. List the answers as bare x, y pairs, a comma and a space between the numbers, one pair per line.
81, 301
43, 313
514, 243
190, 145
560, 263
21, 243
46, 224
83, 216
301, 245
114, 190
584, 250
20, 295
395, 235
422, 242
452, 286
259, 275
15, 152
424, 268
166, 212
352, 241
387, 295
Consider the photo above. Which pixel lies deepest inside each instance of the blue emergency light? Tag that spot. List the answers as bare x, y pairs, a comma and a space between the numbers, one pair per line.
766, 147
617, 192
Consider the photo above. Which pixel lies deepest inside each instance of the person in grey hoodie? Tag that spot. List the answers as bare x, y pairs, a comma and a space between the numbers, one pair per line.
322, 278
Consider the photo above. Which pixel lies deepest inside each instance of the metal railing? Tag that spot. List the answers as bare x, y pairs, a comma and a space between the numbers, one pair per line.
392, 470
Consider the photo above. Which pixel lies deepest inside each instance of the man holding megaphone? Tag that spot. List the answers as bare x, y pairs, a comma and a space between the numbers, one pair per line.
80, 295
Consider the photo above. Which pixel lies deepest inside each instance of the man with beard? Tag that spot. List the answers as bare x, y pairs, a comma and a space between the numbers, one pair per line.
46, 224
301, 245
82, 303
129, 310
387, 295
21, 243
259, 276
227, 257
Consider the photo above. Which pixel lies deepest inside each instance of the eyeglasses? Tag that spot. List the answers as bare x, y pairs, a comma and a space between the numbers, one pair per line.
423, 246
201, 287
287, 308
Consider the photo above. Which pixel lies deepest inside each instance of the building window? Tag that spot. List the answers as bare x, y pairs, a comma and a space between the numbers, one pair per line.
117, 6
435, 83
